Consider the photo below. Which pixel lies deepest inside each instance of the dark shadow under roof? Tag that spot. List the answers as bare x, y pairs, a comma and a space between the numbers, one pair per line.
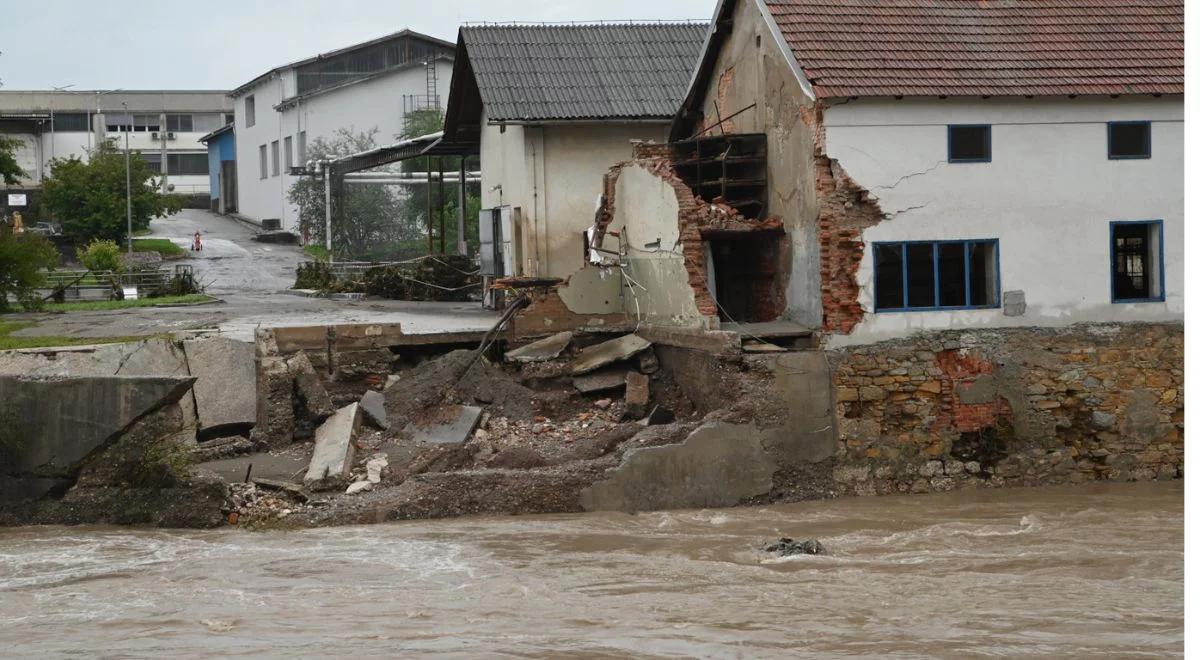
581, 72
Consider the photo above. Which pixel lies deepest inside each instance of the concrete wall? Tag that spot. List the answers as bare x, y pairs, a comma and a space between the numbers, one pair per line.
752, 70
554, 174
363, 106
1048, 195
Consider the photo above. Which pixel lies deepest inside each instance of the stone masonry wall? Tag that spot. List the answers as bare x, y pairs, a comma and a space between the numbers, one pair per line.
1022, 406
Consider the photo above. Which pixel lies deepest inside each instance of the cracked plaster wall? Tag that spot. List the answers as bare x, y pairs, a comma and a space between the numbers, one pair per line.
1048, 195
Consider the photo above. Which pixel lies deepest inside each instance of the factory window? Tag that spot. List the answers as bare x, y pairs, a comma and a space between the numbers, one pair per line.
187, 164
302, 147
275, 158
1137, 261
930, 275
71, 122
154, 160
249, 111
287, 154
228, 118
1128, 140
970, 143
179, 123
118, 123
146, 123
262, 161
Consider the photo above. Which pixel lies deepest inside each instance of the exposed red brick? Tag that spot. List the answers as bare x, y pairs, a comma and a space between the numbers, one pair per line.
548, 314
962, 368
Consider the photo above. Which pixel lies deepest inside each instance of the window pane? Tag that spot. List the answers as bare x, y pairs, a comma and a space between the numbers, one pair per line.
952, 276
969, 143
983, 275
889, 276
262, 161
920, 275
1131, 258
1129, 140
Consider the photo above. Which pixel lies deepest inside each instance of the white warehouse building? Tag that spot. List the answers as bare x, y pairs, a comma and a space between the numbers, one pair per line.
164, 125
371, 86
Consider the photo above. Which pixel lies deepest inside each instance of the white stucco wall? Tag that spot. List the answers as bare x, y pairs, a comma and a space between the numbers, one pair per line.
554, 174
1048, 195
362, 106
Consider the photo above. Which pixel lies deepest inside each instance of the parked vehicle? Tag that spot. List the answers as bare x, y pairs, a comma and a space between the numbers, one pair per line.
45, 229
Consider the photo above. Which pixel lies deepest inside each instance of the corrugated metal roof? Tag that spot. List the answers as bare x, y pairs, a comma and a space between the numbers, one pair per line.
985, 47
573, 72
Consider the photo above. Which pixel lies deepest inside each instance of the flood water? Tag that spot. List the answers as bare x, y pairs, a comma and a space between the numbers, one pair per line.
1053, 572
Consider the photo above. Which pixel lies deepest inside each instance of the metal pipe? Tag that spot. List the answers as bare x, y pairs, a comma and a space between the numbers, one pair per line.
397, 182
462, 205
328, 211
128, 193
417, 176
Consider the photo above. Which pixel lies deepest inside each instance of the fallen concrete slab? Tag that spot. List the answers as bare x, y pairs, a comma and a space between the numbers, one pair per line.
453, 425
313, 395
333, 454
613, 350
224, 390
542, 350
637, 393
277, 467
600, 381
372, 407
49, 425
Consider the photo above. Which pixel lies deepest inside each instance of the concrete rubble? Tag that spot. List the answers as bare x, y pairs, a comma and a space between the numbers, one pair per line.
449, 425
224, 389
373, 409
613, 350
333, 453
542, 350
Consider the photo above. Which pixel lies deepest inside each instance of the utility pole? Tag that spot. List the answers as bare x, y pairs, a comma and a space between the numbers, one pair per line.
128, 191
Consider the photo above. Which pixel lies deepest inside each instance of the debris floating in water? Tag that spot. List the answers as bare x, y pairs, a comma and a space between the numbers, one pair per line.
786, 547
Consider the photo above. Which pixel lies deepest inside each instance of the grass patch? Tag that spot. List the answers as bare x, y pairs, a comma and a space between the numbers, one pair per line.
101, 305
163, 246
142, 232
317, 252
8, 342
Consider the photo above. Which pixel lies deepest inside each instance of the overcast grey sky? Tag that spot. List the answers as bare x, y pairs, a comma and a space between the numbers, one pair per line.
219, 44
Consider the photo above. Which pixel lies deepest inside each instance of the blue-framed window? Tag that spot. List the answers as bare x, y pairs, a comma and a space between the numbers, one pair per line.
1128, 140
969, 143
1138, 272
936, 275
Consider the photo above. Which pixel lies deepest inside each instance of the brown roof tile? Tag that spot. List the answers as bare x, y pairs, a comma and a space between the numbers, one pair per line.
985, 47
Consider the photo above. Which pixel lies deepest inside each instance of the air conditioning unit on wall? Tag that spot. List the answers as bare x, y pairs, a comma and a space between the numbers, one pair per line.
170, 136
154, 136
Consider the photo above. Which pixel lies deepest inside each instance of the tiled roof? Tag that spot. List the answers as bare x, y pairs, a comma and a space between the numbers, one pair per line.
600, 71
985, 47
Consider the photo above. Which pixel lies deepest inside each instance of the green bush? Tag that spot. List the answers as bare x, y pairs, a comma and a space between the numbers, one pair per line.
100, 255
23, 257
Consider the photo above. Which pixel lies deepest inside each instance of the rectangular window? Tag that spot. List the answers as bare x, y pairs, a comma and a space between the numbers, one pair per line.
930, 275
302, 148
1128, 139
287, 154
970, 143
262, 161
70, 122
118, 123
250, 111
187, 164
179, 123
154, 160
228, 118
1137, 261
146, 123
275, 158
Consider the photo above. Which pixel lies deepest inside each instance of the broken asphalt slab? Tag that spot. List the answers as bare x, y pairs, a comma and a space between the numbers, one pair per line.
613, 350
542, 350
333, 454
454, 425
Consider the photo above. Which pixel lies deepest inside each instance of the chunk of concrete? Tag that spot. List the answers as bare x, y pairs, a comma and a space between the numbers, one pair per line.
313, 395
372, 407
637, 393
613, 350
224, 371
718, 465
333, 454
50, 424
600, 381
542, 350
275, 418
375, 467
452, 425
359, 487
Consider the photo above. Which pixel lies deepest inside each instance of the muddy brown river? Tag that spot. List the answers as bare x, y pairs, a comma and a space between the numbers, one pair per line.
1052, 572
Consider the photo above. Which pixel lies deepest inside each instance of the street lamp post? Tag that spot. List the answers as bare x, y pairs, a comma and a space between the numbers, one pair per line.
128, 192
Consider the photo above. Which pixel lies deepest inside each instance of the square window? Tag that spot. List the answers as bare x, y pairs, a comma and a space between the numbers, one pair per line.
1128, 139
970, 144
932, 275
1137, 261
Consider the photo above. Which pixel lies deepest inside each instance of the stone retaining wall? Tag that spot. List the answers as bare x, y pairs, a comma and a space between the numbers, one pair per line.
1020, 406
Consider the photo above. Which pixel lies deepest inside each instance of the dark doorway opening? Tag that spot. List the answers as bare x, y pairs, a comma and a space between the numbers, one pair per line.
745, 275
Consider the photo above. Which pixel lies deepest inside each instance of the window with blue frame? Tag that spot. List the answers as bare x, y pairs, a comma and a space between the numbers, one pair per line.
933, 275
1137, 261
969, 143
1128, 140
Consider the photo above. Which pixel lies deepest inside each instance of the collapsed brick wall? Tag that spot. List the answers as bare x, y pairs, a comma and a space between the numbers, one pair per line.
548, 314
1022, 406
698, 219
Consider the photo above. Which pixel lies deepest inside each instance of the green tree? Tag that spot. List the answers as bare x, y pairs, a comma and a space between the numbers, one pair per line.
10, 172
22, 259
88, 198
